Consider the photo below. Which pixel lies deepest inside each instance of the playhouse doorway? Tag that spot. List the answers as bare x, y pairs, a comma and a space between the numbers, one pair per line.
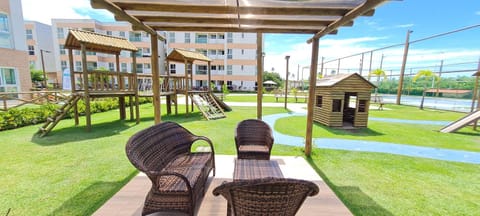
349, 109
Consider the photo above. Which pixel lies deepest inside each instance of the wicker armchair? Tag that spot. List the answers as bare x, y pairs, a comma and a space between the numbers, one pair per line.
267, 196
253, 139
163, 153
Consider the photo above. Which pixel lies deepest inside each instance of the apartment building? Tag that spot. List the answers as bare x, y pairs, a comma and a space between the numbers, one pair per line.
141, 40
40, 49
233, 58
14, 70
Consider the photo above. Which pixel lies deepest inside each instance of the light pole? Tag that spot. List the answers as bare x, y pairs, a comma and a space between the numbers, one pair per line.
286, 82
43, 68
402, 70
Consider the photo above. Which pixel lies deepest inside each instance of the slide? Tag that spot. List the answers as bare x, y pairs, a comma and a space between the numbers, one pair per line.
222, 104
454, 126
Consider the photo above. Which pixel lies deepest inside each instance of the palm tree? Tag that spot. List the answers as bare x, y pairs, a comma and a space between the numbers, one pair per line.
426, 74
378, 73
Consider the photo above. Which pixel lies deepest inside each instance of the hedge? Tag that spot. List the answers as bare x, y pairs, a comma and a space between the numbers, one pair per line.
19, 117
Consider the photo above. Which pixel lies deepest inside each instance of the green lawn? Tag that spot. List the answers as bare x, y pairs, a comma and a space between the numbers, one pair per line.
72, 172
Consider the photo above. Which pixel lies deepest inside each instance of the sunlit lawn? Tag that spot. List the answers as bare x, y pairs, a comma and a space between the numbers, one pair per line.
72, 172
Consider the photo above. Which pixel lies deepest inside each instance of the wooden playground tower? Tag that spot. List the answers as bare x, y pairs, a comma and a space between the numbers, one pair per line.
90, 83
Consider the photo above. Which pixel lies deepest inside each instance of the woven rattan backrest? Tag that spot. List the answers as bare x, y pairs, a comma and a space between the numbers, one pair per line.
253, 132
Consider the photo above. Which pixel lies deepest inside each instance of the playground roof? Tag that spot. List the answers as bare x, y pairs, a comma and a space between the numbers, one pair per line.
180, 55
319, 17
97, 42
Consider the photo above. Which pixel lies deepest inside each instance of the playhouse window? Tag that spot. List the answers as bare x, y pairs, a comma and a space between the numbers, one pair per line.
361, 105
336, 105
319, 101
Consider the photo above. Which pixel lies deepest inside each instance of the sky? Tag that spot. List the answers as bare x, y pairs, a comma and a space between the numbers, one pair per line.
388, 26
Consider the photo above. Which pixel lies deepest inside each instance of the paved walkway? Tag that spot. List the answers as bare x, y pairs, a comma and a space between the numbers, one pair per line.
367, 146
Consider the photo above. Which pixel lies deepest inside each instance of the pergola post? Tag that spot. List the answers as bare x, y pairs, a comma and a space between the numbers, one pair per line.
155, 79
311, 96
209, 77
286, 82
186, 85
259, 74
135, 86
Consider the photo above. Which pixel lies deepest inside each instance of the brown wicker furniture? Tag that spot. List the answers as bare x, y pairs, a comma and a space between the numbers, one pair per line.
267, 196
253, 139
163, 153
256, 169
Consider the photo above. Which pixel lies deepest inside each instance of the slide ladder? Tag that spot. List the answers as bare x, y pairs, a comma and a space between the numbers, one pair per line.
464, 121
53, 120
207, 105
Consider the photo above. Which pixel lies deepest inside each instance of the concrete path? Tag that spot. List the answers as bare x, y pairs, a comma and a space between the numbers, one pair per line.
366, 146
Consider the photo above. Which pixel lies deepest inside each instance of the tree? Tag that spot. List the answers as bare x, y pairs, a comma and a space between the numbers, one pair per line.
425, 75
36, 76
275, 77
378, 73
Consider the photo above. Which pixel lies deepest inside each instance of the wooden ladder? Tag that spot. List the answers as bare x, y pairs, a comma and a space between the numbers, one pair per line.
207, 105
53, 120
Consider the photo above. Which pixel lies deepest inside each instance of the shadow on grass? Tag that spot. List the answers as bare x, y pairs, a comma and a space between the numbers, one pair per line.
361, 132
354, 198
105, 129
93, 197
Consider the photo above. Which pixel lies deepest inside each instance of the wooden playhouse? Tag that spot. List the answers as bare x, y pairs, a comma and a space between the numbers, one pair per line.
342, 100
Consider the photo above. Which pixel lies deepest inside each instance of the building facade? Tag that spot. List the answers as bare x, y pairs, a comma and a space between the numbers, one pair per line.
141, 40
14, 70
233, 58
40, 49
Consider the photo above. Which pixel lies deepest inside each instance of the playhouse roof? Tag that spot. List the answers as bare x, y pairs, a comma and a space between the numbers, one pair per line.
329, 81
97, 42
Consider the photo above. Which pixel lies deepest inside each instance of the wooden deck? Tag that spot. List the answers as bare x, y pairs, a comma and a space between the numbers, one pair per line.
129, 200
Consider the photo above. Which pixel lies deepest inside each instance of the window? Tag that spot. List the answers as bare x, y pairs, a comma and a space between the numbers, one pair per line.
29, 34
201, 38
243, 35
203, 51
229, 37
242, 67
121, 34
171, 37
62, 50
64, 65
362, 104
109, 33
221, 36
78, 66
173, 68
139, 68
76, 52
229, 70
213, 67
111, 66
91, 65
243, 51
31, 50
146, 50
7, 76
5, 40
187, 37
229, 53
201, 69
146, 66
135, 36
319, 101
60, 33
221, 52
212, 52
221, 67
213, 36
336, 105
123, 67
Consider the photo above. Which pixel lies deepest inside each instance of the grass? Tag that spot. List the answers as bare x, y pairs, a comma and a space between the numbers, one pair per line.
72, 172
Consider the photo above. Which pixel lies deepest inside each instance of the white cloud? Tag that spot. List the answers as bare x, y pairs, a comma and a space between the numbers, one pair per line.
477, 13
45, 11
404, 25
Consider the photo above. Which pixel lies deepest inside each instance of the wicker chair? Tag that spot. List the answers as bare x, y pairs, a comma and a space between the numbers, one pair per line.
267, 196
253, 139
178, 176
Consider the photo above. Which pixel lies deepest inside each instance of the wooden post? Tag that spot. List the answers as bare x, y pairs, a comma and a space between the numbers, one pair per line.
286, 83
209, 78
186, 86
121, 99
135, 89
311, 96
72, 84
402, 69
155, 79
259, 74
85, 87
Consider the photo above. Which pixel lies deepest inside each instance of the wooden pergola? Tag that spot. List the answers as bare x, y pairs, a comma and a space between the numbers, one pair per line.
316, 17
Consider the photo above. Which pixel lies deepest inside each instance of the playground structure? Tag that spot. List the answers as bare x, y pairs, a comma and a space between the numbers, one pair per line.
462, 122
90, 83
